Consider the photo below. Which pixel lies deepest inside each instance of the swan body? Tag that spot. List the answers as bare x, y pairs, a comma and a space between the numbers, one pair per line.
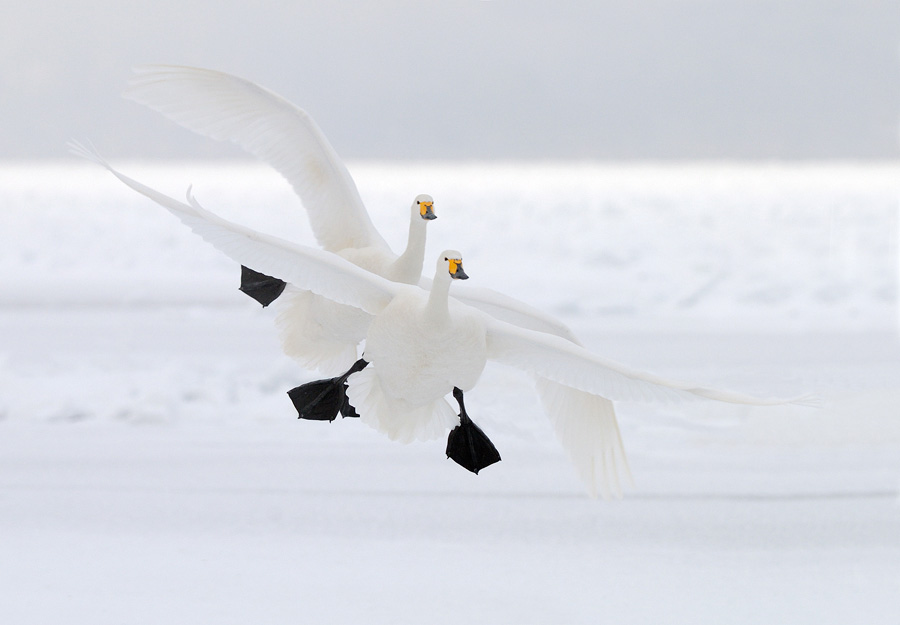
420, 352
324, 335
319, 333
423, 343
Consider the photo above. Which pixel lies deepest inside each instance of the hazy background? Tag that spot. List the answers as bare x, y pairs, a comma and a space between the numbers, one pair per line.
469, 79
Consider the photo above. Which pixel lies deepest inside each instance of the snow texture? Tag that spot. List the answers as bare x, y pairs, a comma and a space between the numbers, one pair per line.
152, 469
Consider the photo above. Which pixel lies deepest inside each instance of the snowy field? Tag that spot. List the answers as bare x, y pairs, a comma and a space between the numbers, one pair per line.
152, 469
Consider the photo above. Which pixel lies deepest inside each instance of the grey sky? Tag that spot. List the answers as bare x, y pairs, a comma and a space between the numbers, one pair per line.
474, 79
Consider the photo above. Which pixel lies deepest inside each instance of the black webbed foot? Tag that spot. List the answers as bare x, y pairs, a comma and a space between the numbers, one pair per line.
346, 409
318, 401
322, 400
264, 289
467, 444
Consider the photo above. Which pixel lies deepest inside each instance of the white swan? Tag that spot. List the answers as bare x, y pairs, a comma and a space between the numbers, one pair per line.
423, 345
318, 333
228, 108
314, 331
324, 334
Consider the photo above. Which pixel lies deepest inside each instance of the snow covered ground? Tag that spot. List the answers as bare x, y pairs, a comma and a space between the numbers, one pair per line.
152, 470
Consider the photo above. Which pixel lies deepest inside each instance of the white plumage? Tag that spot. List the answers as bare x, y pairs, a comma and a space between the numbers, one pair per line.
316, 332
415, 364
229, 108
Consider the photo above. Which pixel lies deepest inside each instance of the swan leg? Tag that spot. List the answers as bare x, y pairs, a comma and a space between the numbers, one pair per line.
467, 444
322, 400
264, 289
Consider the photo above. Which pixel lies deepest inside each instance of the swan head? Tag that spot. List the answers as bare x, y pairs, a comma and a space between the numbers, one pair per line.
451, 262
424, 206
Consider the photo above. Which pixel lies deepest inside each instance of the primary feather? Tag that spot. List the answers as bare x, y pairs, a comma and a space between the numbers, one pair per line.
229, 108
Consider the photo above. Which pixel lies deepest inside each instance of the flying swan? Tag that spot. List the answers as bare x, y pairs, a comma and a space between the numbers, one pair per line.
422, 345
318, 333
229, 108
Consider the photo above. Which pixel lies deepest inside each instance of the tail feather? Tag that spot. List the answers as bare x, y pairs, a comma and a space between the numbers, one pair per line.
399, 421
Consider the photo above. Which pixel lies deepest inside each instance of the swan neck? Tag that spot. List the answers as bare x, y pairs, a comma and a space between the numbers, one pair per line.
408, 266
438, 309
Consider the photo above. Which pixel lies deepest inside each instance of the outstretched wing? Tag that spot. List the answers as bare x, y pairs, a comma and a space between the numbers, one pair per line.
576, 388
228, 108
321, 272
556, 359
